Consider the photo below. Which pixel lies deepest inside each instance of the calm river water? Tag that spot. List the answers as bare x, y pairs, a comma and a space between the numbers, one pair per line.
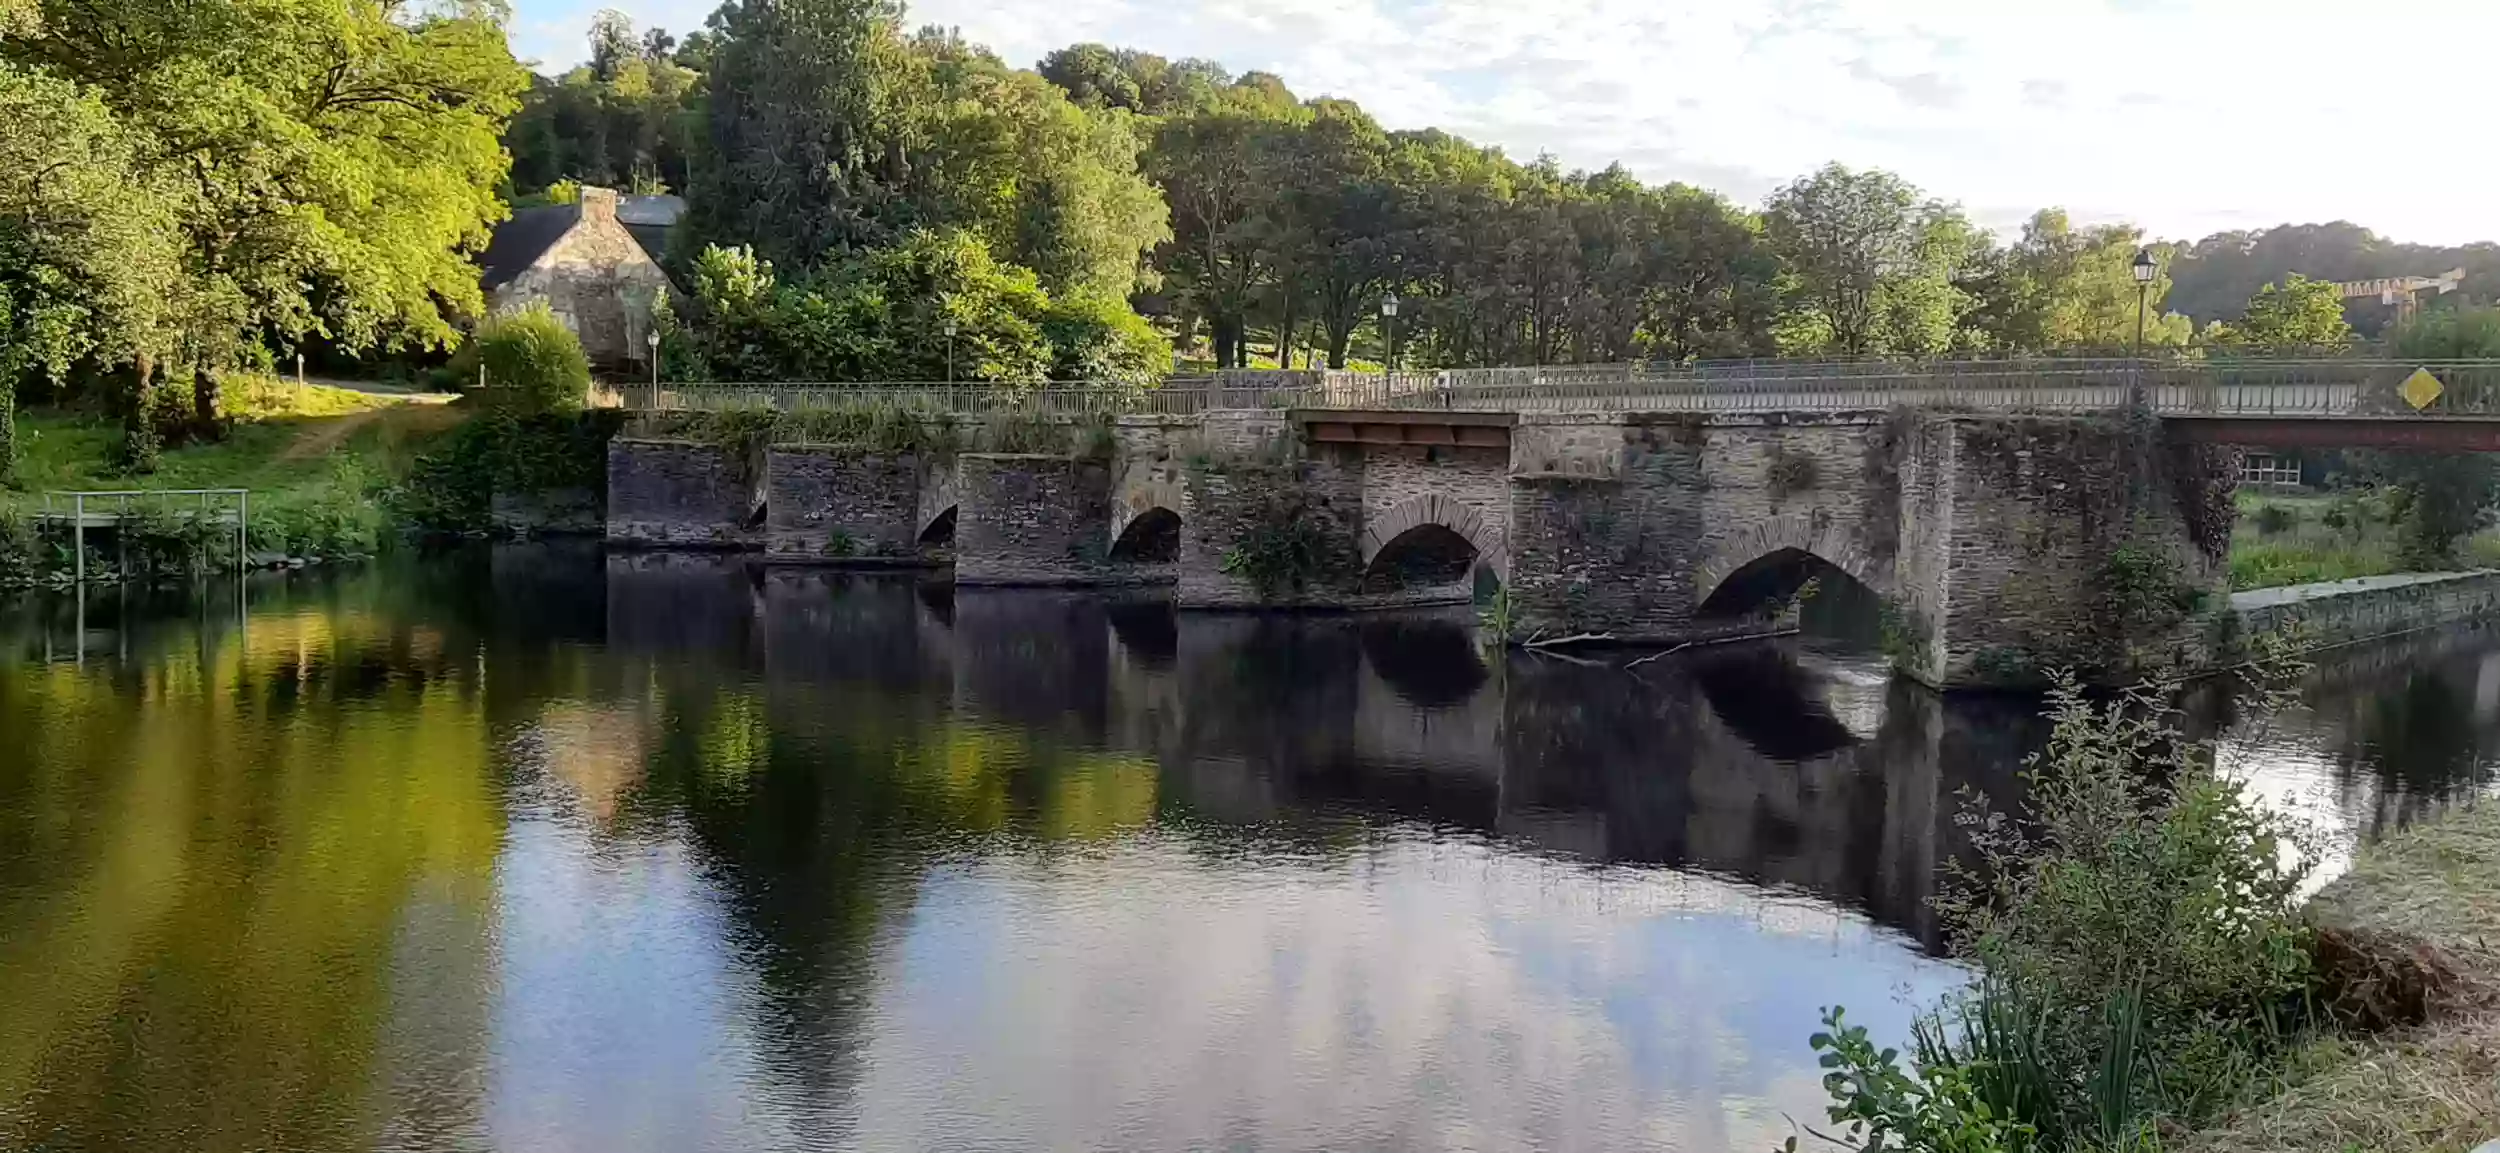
542, 850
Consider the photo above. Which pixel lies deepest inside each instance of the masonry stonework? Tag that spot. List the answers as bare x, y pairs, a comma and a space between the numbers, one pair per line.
1030, 519
682, 494
843, 505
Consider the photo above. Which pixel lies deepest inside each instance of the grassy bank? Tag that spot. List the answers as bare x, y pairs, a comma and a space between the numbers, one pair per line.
2431, 896
2289, 539
320, 463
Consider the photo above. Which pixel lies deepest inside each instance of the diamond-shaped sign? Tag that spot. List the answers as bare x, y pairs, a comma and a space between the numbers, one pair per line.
2420, 389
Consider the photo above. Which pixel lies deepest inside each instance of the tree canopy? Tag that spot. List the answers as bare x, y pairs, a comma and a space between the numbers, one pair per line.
288, 170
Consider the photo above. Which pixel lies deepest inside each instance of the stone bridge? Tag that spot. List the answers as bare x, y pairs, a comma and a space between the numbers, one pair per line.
2000, 545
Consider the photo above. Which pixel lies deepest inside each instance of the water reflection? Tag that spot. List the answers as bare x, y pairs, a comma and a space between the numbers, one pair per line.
540, 849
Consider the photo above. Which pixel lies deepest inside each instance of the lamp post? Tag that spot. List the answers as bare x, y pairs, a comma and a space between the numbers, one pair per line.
2144, 272
651, 340
950, 352
1389, 333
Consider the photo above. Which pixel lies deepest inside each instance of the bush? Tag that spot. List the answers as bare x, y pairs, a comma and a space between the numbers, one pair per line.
533, 363
1104, 341
2275, 519
2142, 869
2139, 941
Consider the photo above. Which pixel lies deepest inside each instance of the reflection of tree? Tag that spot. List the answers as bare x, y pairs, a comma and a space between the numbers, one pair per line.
2418, 740
213, 868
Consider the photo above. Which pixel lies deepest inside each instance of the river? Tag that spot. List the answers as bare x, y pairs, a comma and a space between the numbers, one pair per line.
536, 849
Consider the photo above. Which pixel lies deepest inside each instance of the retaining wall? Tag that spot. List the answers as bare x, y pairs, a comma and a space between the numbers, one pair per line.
2365, 608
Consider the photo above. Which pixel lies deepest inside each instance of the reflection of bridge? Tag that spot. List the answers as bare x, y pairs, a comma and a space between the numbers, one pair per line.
1987, 503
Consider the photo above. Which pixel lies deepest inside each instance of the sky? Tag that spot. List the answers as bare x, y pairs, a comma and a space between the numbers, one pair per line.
2184, 116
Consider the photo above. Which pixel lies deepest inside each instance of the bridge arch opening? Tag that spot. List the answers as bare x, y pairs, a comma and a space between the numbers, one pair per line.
1762, 588
1151, 537
941, 530
1424, 556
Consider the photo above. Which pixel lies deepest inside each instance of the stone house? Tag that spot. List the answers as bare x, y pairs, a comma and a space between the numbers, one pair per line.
584, 264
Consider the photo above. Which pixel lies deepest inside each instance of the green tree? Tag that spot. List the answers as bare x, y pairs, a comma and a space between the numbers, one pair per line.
2296, 314
1213, 166
1046, 184
2060, 287
2445, 493
1872, 261
808, 143
337, 159
90, 258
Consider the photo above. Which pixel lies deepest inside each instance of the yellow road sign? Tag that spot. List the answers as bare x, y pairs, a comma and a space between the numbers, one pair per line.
2420, 389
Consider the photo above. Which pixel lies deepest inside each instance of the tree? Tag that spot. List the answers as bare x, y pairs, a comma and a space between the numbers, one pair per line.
2060, 287
1211, 166
807, 142
2297, 313
90, 257
612, 42
336, 160
1046, 184
2445, 492
1872, 261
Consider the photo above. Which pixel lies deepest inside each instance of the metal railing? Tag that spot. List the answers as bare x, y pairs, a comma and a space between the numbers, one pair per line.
108, 509
2181, 387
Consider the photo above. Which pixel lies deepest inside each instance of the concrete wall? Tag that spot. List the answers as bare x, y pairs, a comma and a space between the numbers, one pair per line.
682, 494
2350, 611
844, 505
598, 280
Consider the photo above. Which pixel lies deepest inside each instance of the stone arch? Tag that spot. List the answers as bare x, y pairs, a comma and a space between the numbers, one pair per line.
1153, 536
1432, 508
941, 492
1785, 535
939, 528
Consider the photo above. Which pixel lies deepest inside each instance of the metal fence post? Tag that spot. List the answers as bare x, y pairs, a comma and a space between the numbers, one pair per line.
78, 536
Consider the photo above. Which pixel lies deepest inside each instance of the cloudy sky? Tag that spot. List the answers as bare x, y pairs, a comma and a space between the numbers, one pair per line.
2187, 116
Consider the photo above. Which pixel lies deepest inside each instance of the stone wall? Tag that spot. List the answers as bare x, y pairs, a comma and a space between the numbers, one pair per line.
1236, 507
1034, 519
2064, 542
844, 505
2367, 608
682, 494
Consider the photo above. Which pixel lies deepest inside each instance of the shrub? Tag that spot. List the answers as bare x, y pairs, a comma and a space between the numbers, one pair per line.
533, 363
2275, 520
1100, 340
2141, 869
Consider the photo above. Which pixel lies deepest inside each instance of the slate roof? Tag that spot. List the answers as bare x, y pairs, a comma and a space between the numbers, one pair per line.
520, 241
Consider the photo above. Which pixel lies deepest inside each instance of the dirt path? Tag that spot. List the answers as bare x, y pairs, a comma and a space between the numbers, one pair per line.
422, 412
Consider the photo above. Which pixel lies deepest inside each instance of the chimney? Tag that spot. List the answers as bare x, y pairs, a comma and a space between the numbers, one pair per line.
598, 204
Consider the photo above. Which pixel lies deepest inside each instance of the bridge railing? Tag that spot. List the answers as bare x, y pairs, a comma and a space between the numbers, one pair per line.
2178, 387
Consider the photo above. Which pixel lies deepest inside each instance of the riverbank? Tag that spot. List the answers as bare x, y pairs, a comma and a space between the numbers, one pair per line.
321, 464
2283, 539
2331, 614
2430, 895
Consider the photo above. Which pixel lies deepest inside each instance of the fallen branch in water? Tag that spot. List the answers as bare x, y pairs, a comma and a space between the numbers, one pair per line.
1660, 653
1573, 639
1566, 658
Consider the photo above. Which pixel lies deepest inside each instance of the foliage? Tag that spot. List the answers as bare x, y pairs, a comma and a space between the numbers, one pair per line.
1872, 261
2445, 497
288, 170
1940, 1109
2139, 868
885, 316
450, 490
532, 362
2295, 313
2059, 287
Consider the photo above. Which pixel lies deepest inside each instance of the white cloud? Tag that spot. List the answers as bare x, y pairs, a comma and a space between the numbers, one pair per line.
2185, 115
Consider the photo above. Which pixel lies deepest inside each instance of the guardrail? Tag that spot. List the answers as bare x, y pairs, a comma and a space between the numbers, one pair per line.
108, 508
2184, 388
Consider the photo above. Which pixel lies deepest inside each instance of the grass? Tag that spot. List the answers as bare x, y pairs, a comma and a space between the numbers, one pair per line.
2434, 1087
2291, 539
315, 461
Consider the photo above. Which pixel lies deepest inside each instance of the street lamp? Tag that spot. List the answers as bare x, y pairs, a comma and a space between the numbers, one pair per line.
1389, 332
651, 340
2144, 270
950, 352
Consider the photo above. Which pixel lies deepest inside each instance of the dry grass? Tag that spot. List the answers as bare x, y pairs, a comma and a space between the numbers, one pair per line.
2435, 1087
